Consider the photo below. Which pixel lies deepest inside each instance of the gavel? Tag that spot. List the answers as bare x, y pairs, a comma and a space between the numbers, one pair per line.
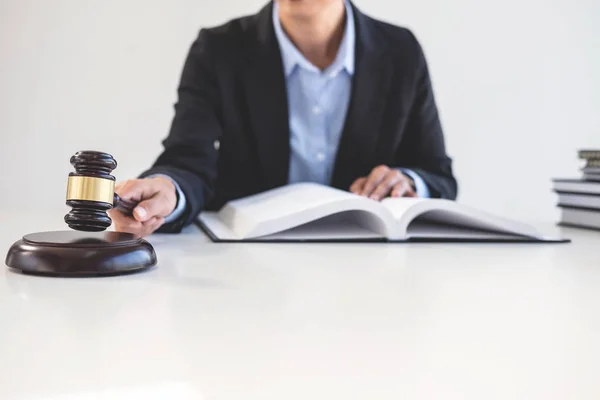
85, 250
91, 192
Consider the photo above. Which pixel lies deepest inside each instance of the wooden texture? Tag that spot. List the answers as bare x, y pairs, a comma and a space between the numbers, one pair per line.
126, 207
87, 250
86, 215
74, 253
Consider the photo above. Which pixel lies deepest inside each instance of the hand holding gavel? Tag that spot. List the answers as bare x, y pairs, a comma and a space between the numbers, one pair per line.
135, 206
155, 197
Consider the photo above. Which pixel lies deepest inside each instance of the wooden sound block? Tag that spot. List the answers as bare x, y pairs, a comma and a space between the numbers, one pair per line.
80, 254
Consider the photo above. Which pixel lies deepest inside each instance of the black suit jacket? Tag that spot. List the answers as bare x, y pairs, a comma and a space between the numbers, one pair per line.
230, 133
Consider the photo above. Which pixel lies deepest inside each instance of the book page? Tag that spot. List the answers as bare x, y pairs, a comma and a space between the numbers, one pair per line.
290, 206
464, 217
399, 206
288, 199
424, 229
438, 217
211, 221
338, 227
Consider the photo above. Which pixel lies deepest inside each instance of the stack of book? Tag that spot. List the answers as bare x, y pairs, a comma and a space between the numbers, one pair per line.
579, 198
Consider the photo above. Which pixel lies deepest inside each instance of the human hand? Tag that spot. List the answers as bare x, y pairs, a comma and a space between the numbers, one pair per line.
384, 181
155, 198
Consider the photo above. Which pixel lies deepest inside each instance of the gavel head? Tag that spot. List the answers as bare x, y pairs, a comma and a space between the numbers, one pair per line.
91, 191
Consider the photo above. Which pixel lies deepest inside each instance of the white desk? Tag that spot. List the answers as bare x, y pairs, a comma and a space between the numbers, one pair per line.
291, 321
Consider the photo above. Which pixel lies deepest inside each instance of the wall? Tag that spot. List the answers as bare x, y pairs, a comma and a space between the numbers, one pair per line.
517, 83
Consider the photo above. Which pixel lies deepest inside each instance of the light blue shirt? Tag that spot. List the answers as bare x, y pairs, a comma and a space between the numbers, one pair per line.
317, 102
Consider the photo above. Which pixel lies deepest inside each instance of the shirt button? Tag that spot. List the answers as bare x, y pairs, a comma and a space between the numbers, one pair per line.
217, 145
320, 156
316, 110
333, 74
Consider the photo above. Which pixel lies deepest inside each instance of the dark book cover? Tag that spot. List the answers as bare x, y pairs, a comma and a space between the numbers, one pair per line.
591, 177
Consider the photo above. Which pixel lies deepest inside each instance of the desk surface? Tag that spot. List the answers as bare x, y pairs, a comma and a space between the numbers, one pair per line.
298, 321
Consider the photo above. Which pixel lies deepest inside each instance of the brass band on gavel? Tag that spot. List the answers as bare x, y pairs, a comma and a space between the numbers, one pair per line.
91, 189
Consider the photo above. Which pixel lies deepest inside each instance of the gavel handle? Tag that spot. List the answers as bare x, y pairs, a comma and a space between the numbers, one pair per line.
125, 206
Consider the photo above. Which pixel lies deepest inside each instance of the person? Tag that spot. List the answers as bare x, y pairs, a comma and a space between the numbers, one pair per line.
302, 91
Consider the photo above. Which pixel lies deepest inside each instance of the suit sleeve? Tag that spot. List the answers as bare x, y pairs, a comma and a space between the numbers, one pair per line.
190, 153
423, 147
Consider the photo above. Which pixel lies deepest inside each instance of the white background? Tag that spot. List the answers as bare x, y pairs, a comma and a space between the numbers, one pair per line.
517, 82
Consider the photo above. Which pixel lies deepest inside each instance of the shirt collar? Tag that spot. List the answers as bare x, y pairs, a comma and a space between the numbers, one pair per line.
292, 57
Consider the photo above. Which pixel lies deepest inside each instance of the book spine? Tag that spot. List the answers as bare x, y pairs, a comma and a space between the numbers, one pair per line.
592, 177
589, 154
578, 226
577, 207
591, 170
593, 164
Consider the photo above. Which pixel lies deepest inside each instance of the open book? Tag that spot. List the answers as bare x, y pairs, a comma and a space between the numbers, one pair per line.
312, 212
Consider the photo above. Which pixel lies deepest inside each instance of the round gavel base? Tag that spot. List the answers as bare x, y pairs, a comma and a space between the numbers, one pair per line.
80, 254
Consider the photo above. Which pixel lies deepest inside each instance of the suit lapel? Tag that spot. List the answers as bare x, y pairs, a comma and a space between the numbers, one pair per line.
370, 88
267, 103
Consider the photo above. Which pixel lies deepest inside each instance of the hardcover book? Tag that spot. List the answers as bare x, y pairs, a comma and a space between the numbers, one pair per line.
589, 154
312, 212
